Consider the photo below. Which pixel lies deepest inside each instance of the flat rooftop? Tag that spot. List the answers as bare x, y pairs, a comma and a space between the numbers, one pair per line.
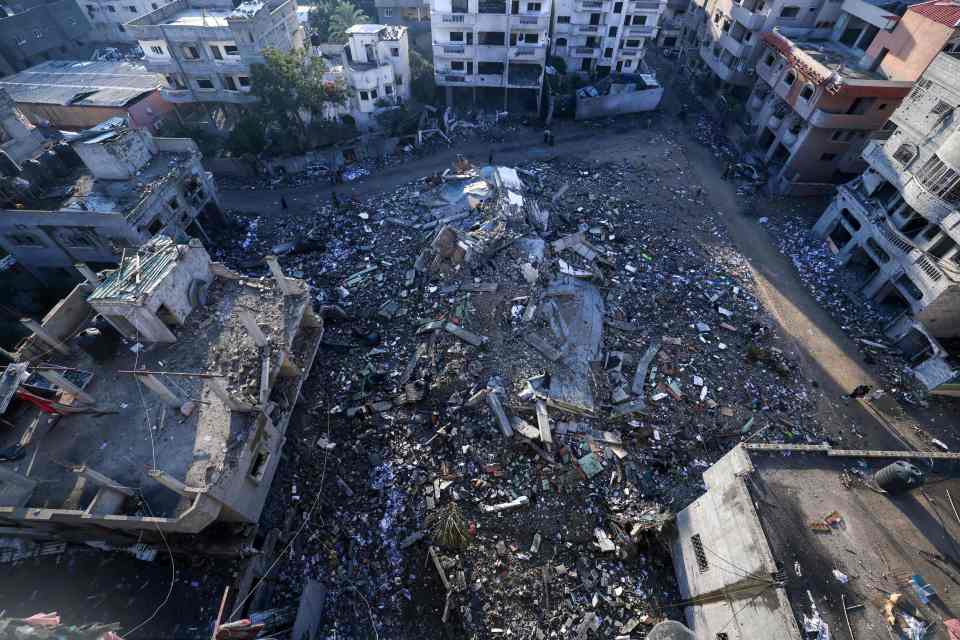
836, 57
82, 83
193, 17
139, 431
879, 541
81, 191
384, 31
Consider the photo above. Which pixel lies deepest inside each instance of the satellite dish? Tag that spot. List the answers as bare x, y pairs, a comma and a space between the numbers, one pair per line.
670, 630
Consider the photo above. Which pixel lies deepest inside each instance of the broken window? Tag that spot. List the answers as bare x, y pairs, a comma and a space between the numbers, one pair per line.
231, 50
244, 81
493, 6
633, 44
807, 92
229, 84
860, 106
190, 52
259, 465
790, 78
205, 83
940, 108
490, 68
394, 52
790, 12
24, 240
612, 32
373, 94
595, 18
940, 179
910, 286
904, 153
459, 6
388, 89
533, 6
618, 7
770, 59
215, 50
174, 203
639, 20
561, 42
563, 19
608, 52
850, 219
878, 251
456, 36
364, 95
491, 38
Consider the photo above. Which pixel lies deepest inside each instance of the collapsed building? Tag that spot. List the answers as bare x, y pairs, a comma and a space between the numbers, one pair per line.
153, 400
800, 541
895, 227
108, 189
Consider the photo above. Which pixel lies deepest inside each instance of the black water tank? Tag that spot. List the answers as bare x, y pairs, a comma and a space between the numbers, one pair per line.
899, 477
101, 340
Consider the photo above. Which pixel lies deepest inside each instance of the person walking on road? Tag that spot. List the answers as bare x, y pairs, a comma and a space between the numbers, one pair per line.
283, 203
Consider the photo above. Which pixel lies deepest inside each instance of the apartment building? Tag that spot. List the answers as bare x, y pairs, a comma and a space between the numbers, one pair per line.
817, 100
728, 34
205, 48
36, 31
672, 22
604, 36
374, 65
412, 14
108, 18
896, 227
495, 48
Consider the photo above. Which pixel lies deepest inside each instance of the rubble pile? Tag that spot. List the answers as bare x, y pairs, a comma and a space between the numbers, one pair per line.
524, 373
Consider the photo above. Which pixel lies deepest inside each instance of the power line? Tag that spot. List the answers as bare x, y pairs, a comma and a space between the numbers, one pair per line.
173, 572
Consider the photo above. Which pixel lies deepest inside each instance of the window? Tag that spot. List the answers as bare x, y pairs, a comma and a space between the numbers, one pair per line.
828, 157
373, 94
204, 83
243, 81
770, 59
387, 12
561, 42
131, 9
395, 52
399, 79
91, 8
790, 12
364, 95
173, 203
111, 8
633, 44
850, 219
940, 108
563, 19
457, 65
23, 240
258, 467
154, 6
215, 50
531, 38
940, 180
639, 20
790, 78
904, 153
533, 6
229, 83
121, 28
700, 554
456, 36
190, 52
608, 52
807, 92
882, 107
618, 7
388, 89
612, 32
231, 50
627, 64
156, 50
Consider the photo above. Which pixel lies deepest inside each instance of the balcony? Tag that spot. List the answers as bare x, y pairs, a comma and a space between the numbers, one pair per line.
827, 120
528, 52
645, 5
587, 28
589, 6
643, 31
530, 23
752, 21
176, 96
491, 52
585, 52
737, 49
629, 53
454, 19
452, 50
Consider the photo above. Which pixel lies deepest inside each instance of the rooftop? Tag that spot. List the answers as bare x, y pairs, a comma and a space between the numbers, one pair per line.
836, 58
196, 17
946, 12
830, 535
84, 83
139, 431
385, 31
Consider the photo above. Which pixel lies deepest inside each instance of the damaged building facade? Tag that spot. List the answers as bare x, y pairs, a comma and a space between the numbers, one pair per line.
604, 36
136, 453
374, 65
817, 101
205, 48
112, 188
897, 226
493, 48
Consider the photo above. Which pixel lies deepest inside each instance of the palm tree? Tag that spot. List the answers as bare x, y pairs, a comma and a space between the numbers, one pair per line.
343, 17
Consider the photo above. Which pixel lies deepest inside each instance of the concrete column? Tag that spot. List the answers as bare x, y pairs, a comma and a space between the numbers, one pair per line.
12, 357
249, 322
285, 287
221, 392
154, 384
87, 273
42, 334
66, 385
169, 482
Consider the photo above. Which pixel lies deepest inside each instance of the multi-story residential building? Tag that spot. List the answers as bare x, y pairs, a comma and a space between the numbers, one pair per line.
111, 188
495, 46
38, 30
604, 36
672, 23
728, 33
412, 14
897, 226
108, 18
205, 47
817, 100
374, 66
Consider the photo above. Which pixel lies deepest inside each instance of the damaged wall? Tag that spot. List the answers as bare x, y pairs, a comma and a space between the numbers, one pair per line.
618, 104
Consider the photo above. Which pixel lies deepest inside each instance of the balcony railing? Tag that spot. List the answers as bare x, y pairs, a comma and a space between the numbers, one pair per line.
456, 18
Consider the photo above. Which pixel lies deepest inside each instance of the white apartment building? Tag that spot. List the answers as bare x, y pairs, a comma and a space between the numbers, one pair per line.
494, 47
604, 36
374, 65
108, 18
205, 48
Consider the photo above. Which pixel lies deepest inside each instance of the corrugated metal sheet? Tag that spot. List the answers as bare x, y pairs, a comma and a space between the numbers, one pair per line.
943, 11
85, 83
131, 280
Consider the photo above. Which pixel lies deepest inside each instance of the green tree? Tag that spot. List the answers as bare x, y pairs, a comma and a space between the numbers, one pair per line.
293, 93
249, 135
344, 16
319, 18
423, 85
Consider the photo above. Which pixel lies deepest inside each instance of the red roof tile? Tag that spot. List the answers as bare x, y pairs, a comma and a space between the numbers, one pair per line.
945, 12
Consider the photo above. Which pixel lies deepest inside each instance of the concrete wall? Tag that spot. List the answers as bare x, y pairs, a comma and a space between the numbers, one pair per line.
911, 46
117, 158
942, 316
62, 321
56, 29
149, 111
612, 105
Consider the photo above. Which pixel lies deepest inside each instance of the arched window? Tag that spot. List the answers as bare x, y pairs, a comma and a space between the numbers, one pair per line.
807, 92
790, 78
